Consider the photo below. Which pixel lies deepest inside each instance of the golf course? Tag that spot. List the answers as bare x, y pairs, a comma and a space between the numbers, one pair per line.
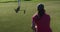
10, 21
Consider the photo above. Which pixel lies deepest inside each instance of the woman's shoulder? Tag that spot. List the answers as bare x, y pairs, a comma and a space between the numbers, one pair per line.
35, 15
47, 15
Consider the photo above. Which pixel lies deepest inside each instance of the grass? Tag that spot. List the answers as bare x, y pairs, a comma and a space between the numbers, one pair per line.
20, 22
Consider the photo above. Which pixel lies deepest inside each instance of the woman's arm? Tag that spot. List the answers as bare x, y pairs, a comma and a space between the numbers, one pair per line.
33, 25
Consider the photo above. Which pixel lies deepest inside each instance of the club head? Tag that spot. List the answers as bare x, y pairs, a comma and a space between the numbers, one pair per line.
24, 11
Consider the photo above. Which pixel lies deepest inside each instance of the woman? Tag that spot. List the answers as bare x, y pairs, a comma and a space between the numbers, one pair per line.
41, 20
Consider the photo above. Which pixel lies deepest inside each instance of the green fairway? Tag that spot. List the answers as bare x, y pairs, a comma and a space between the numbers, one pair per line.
20, 22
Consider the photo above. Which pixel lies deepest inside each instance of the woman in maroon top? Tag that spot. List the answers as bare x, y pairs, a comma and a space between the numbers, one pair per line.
41, 20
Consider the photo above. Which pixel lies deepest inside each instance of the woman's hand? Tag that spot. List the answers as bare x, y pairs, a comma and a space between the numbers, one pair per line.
34, 28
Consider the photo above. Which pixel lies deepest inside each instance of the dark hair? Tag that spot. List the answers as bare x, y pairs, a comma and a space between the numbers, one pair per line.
41, 10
